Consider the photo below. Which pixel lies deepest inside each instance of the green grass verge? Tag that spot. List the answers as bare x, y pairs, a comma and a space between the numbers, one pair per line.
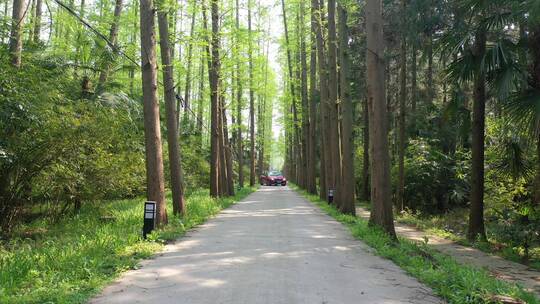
452, 225
454, 282
72, 260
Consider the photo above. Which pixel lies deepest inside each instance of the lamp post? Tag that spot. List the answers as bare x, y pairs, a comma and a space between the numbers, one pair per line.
149, 217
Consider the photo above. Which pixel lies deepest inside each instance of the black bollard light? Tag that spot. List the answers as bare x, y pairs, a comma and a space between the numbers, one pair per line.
330, 196
149, 218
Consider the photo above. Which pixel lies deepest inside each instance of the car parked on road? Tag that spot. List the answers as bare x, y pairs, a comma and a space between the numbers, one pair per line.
273, 178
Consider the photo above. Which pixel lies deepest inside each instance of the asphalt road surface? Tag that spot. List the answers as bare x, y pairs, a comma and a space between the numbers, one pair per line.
273, 247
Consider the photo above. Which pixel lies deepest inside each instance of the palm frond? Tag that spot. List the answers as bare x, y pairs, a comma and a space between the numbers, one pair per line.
523, 110
513, 159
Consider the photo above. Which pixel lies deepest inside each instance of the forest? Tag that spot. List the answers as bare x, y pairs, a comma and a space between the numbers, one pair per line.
423, 112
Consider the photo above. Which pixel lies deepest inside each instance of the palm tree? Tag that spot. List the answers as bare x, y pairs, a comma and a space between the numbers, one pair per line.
489, 64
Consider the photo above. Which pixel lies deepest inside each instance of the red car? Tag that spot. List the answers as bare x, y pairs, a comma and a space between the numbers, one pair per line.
273, 178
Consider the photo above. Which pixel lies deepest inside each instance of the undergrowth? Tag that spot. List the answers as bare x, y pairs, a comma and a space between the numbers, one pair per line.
71, 260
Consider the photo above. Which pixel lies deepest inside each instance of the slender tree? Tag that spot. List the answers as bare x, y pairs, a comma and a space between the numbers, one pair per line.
175, 163
113, 37
305, 99
327, 171
15, 40
335, 155
187, 90
152, 132
366, 178
36, 32
402, 107
381, 212
313, 98
239, 107
476, 215
251, 102
214, 75
347, 141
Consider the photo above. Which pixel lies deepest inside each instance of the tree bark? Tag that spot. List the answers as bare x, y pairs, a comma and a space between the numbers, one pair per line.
536, 185
430, 82
305, 103
381, 213
133, 38
227, 153
37, 22
414, 89
312, 138
335, 181
323, 80
152, 131
170, 111
200, 104
476, 215
213, 73
113, 35
15, 40
239, 90
251, 103
365, 195
187, 91
402, 109
347, 141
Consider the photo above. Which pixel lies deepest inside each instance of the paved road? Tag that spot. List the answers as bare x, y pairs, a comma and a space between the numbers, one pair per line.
273, 247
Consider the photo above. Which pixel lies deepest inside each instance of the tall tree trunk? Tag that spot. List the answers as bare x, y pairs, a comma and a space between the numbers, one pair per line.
200, 105
430, 82
292, 160
381, 212
305, 102
313, 96
152, 131
366, 180
251, 103
133, 37
239, 107
15, 40
113, 35
326, 159
5, 35
227, 183
402, 108
296, 121
213, 73
335, 181
536, 185
476, 215
347, 141
37, 21
262, 118
414, 89
228, 155
534, 46
187, 90
170, 110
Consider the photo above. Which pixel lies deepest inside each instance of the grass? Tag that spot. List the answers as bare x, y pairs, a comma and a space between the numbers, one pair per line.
73, 259
453, 224
454, 282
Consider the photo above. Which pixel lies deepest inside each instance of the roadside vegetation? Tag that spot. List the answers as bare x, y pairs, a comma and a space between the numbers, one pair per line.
69, 259
454, 282
452, 225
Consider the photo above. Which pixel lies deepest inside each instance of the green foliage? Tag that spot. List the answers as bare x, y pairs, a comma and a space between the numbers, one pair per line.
518, 226
69, 261
454, 282
434, 180
55, 146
